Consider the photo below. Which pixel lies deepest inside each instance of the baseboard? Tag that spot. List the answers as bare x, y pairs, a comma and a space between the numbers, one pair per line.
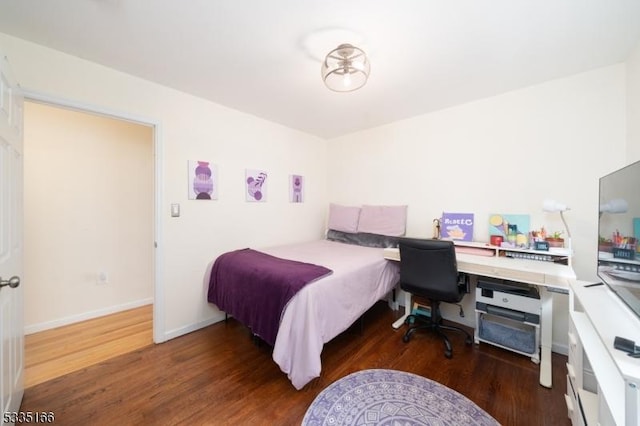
34, 328
172, 334
555, 347
560, 348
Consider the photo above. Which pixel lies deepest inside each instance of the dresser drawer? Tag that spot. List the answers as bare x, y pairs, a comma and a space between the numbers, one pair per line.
570, 405
575, 356
573, 348
571, 381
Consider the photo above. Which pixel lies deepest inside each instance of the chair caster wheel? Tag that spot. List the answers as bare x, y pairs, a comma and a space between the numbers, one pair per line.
448, 354
405, 338
468, 341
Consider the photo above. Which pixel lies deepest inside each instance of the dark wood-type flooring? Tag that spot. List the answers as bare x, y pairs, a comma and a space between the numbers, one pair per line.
219, 376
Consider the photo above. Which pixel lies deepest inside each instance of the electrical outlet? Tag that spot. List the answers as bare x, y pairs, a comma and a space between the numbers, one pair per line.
103, 277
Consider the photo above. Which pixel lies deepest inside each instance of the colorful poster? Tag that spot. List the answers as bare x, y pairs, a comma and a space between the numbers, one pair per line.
636, 231
203, 180
514, 229
457, 226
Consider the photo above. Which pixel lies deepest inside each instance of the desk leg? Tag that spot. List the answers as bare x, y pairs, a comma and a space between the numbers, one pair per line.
407, 310
546, 330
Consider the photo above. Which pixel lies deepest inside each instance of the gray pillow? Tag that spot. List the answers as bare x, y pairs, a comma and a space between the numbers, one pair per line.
362, 239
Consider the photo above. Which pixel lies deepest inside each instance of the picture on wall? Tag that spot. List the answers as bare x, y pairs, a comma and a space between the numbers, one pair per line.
513, 228
256, 185
203, 180
296, 186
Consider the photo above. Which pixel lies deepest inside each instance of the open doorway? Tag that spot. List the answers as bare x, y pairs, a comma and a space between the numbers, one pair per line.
89, 219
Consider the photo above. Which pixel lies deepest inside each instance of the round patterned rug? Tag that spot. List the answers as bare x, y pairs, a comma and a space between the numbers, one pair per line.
394, 398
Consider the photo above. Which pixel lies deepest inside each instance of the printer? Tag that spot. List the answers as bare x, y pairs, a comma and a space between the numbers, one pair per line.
508, 316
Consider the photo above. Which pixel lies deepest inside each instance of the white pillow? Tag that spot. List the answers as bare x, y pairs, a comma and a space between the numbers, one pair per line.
343, 218
383, 220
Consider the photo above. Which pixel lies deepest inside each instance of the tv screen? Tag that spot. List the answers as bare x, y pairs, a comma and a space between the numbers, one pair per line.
619, 232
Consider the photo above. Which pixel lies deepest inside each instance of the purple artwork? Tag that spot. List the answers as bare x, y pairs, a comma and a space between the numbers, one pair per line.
203, 180
295, 189
457, 226
256, 181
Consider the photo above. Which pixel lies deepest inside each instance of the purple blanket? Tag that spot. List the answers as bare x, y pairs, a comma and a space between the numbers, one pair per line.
254, 287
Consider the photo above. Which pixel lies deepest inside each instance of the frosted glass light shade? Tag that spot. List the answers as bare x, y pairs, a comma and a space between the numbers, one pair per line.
554, 206
617, 205
346, 68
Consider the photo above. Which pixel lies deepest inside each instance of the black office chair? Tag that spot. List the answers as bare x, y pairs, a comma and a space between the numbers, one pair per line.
428, 269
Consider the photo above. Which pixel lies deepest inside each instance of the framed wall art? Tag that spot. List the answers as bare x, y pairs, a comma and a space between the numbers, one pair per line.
296, 188
256, 185
203, 180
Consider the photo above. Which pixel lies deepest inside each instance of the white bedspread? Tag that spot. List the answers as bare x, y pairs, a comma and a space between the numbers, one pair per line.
327, 307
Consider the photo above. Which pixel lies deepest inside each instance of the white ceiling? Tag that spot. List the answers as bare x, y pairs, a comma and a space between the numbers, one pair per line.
263, 57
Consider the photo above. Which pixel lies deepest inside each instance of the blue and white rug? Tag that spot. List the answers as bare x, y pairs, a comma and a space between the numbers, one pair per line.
393, 398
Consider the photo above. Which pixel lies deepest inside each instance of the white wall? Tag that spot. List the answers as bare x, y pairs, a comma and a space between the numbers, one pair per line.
88, 203
504, 154
194, 129
633, 105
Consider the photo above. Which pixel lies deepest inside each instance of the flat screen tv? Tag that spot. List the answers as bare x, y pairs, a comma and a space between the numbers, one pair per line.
619, 232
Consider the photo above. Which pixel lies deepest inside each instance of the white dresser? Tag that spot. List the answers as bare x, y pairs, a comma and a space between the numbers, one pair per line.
602, 382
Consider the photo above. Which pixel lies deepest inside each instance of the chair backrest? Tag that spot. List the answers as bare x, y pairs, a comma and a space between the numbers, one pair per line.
428, 268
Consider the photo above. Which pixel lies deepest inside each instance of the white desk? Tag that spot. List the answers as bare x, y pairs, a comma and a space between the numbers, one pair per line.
551, 277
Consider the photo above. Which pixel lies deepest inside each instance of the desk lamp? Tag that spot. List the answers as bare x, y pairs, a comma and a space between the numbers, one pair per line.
555, 206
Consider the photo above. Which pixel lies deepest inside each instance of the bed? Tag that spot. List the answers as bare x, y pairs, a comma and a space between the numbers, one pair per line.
323, 308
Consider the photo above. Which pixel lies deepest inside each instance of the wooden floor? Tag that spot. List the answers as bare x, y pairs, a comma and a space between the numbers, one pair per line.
59, 351
219, 376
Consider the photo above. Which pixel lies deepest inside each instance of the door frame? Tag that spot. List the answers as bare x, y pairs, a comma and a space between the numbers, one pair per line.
159, 334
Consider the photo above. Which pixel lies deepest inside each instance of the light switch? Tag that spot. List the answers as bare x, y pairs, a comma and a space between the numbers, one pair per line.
175, 210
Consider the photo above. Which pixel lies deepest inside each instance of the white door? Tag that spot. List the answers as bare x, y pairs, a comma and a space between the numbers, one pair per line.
11, 213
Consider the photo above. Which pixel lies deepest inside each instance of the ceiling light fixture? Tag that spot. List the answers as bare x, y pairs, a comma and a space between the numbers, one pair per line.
345, 69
